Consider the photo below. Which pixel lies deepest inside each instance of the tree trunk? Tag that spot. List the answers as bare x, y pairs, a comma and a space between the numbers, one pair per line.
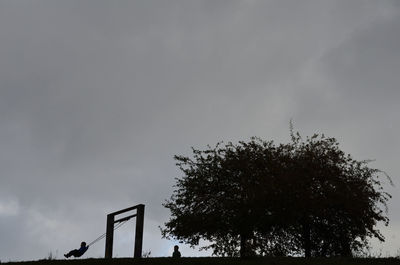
307, 239
243, 245
346, 249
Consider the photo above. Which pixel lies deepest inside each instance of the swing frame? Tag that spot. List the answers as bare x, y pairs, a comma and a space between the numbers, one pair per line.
138, 231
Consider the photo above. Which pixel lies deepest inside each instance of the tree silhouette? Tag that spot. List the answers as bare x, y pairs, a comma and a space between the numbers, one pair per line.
257, 198
338, 200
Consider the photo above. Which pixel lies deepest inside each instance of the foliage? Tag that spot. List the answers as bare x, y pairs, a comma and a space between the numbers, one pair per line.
51, 256
338, 199
258, 198
146, 254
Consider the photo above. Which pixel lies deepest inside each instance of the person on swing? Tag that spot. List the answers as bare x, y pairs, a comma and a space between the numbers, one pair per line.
77, 252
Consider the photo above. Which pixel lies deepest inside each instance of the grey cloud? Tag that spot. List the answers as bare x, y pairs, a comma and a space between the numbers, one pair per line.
96, 98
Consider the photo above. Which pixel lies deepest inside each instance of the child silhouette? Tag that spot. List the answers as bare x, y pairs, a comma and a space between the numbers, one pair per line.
176, 253
77, 252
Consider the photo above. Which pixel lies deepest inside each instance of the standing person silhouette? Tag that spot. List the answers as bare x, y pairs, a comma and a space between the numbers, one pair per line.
176, 253
77, 252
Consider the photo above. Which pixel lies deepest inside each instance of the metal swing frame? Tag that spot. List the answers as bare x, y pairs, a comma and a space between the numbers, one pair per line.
138, 231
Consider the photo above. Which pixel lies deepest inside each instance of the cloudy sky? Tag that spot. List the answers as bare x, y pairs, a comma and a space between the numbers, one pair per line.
97, 96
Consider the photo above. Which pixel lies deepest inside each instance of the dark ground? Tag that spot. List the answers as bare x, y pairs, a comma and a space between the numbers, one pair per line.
217, 261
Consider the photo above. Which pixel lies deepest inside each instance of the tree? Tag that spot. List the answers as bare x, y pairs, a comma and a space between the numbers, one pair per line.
220, 198
339, 200
305, 197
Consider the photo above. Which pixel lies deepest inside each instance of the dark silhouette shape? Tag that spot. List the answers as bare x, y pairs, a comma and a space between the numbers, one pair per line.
306, 197
176, 253
77, 252
138, 230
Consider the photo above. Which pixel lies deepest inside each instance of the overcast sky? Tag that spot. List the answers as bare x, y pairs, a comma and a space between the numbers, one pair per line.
97, 96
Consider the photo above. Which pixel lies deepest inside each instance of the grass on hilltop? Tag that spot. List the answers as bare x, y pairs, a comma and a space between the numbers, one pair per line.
217, 261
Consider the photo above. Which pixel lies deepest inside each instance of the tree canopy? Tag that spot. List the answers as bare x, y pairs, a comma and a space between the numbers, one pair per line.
306, 197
